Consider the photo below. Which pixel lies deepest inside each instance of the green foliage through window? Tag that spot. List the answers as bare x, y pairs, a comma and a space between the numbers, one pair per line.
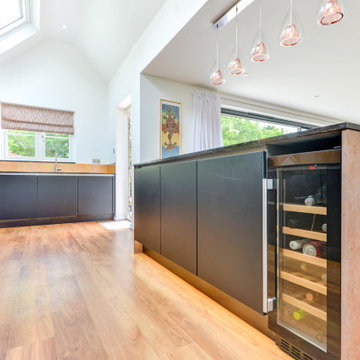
57, 144
237, 130
21, 143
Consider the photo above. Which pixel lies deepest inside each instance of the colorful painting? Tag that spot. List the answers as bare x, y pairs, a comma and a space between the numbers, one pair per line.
170, 136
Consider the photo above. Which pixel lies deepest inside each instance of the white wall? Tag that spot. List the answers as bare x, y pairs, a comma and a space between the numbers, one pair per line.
154, 88
170, 19
56, 75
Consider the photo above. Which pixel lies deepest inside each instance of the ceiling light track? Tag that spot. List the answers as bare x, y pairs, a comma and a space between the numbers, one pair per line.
231, 13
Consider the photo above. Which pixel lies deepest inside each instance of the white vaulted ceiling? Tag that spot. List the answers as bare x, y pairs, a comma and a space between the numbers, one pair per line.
320, 76
103, 30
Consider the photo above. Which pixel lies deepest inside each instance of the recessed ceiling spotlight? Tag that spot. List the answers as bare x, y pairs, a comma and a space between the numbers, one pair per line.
64, 27
317, 96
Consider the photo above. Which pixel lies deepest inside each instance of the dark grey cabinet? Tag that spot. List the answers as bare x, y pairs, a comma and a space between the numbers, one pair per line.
95, 195
147, 207
18, 197
230, 243
57, 196
47, 199
178, 214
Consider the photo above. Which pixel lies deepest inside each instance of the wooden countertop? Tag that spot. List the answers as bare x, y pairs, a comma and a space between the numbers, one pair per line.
48, 167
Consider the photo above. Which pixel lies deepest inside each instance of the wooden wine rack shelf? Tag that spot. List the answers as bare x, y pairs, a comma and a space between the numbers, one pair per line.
321, 314
316, 210
305, 233
305, 258
304, 282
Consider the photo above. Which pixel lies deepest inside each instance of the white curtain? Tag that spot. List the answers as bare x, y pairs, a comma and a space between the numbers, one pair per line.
206, 121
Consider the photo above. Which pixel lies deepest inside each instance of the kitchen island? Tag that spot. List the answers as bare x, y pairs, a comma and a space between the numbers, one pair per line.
212, 217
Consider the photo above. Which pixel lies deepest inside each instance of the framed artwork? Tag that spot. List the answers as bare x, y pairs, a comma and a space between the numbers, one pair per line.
170, 128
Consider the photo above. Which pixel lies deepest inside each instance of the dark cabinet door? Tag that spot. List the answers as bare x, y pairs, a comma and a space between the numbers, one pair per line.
178, 214
147, 206
57, 196
95, 195
230, 241
18, 197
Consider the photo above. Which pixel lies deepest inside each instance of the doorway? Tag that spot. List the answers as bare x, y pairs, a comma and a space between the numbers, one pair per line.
130, 170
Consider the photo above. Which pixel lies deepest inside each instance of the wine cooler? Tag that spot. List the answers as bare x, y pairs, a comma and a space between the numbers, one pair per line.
304, 214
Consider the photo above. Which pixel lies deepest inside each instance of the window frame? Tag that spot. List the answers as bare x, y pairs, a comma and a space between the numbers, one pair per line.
271, 120
25, 19
266, 118
39, 149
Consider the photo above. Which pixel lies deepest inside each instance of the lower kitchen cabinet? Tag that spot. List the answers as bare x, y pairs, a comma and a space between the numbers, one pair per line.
178, 214
57, 196
147, 207
230, 242
18, 197
95, 195
45, 199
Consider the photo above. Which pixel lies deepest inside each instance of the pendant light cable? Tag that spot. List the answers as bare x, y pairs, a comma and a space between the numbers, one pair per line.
236, 34
260, 10
291, 12
217, 52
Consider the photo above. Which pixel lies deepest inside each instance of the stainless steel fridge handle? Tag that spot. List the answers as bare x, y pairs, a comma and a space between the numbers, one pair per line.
265, 245
268, 303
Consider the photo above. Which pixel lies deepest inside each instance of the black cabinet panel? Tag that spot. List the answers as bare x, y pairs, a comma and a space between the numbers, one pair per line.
230, 246
178, 214
57, 196
95, 195
147, 207
18, 197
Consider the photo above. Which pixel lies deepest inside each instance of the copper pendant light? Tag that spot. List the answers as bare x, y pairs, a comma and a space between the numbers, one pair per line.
331, 13
290, 35
235, 67
216, 77
259, 52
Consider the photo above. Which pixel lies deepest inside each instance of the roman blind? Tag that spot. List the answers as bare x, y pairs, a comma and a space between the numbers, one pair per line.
30, 118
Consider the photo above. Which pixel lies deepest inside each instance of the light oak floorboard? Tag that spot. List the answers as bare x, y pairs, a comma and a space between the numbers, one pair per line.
78, 291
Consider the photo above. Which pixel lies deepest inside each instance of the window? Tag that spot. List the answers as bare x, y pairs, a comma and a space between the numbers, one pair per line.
57, 144
13, 13
37, 146
238, 127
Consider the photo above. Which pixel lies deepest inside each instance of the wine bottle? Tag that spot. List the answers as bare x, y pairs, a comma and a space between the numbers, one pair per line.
310, 201
312, 297
299, 314
313, 248
324, 228
297, 244
318, 198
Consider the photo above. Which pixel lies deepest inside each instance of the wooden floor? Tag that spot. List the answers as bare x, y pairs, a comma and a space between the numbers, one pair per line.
77, 291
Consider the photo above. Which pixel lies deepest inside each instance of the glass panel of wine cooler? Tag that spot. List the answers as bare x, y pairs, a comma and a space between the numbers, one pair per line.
302, 251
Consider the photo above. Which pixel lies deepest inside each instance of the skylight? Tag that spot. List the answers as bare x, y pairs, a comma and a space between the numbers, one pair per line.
12, 15
19, 21
10, 11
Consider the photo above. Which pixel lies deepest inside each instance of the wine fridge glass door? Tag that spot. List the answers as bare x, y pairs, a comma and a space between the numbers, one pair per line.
303, 225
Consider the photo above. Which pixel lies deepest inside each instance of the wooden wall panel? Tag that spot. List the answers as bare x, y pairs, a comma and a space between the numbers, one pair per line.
350, 247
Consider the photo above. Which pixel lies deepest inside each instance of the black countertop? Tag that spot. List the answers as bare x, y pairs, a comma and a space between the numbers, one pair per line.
325, 136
